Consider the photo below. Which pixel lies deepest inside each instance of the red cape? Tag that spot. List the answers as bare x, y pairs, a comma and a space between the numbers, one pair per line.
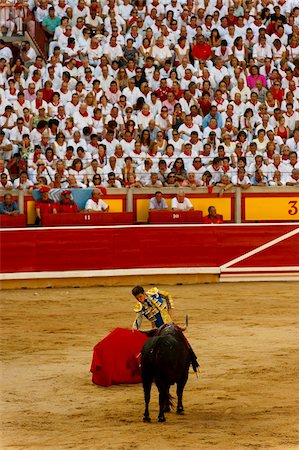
116, 358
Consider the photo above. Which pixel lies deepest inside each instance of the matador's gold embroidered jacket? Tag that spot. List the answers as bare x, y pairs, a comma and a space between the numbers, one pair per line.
156, 308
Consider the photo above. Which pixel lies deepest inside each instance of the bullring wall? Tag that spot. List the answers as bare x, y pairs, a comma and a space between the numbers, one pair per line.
112, 255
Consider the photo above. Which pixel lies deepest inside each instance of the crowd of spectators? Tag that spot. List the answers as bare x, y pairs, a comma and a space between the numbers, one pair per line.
153, 93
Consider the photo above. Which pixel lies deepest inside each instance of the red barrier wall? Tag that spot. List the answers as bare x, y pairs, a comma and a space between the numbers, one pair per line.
99, 248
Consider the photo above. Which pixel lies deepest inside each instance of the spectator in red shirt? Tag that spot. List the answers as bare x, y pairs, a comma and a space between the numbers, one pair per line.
163, 90
67, 204
48, 91
205, 103
45, 205
212, 217
277, 91
231, 18
201, 50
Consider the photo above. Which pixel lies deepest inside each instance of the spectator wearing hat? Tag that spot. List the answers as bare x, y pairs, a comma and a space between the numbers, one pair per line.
95, 203
45, 205
67, 204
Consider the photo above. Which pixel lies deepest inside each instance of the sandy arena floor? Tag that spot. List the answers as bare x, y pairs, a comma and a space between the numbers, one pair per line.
246, 397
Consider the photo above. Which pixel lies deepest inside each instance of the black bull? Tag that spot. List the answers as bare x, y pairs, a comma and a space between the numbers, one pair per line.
166, 359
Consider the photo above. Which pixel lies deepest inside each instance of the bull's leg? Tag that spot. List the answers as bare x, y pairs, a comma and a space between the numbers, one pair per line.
162, 399
167, 401
147, 385
161, 417
179, 390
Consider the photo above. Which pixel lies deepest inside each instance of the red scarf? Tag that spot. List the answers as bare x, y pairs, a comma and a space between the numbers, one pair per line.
36, 157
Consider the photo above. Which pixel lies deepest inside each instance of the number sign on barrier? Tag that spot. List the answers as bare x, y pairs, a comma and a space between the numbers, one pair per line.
294, 208
272, 208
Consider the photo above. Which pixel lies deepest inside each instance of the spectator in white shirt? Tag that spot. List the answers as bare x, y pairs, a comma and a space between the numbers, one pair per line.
261, 50
160, 51
82, 118
95, 203
181, 203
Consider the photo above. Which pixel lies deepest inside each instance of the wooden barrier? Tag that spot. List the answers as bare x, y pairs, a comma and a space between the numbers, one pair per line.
172, 217
87, 219
122, 255
199, 198
19, 221
140, 247
266, 206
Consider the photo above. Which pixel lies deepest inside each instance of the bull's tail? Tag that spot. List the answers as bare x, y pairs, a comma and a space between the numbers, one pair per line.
193, 357
170, 400
194, 362
163, 388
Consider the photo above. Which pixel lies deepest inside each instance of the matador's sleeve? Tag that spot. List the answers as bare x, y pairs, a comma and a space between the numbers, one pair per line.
137, 322
168, 299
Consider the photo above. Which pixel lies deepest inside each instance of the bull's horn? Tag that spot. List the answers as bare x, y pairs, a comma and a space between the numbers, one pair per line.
186, 323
